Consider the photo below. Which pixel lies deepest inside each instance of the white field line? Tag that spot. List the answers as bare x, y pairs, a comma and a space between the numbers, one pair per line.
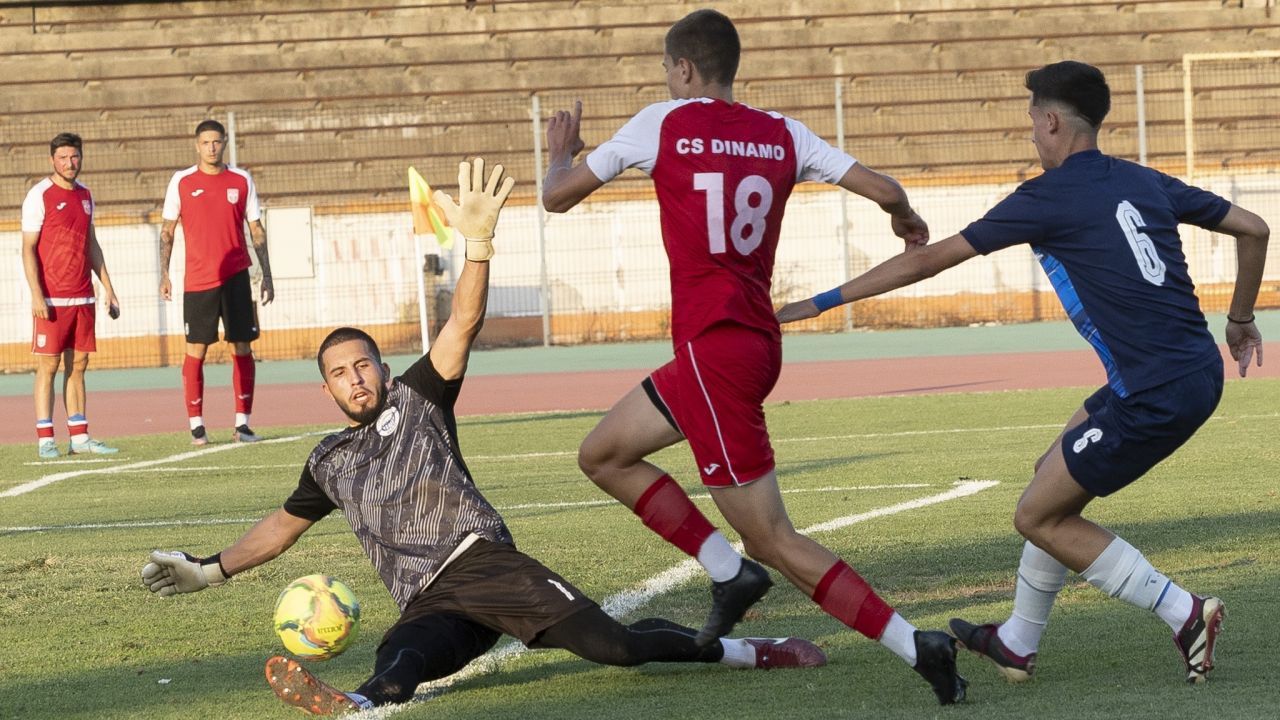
501, 508
631, 600
874, 436
69, 461
49, 479
179, 457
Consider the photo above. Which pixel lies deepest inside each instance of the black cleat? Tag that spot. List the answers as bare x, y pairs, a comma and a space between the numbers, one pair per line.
243, 434
731, 598
936, 662
985, 641
199, 436
1199, 635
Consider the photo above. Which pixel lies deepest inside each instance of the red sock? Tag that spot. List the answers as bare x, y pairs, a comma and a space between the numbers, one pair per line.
242, 377
193, 385
844, 595
44, 429
77, 426
668, 511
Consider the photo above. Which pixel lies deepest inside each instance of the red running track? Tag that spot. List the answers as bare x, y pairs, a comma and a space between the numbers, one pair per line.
135, 412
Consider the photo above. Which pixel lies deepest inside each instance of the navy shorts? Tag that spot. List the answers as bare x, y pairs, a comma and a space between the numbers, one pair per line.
1123, 438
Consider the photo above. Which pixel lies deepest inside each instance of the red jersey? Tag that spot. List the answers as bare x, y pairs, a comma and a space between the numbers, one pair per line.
722, 173
213, 209
63, 218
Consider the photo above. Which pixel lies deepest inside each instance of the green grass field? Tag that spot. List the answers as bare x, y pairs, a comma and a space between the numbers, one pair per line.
81, 638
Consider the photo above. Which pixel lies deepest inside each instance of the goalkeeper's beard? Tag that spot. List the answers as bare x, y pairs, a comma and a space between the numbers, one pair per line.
368, 413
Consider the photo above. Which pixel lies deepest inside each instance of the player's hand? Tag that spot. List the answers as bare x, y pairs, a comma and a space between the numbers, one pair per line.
800, 310
476, 213
564, 140
912, 229
268, 290
113, 305
170, 573
1243, 339
39, 308
166, 288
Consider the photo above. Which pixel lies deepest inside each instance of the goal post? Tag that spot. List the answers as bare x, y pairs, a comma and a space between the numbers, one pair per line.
1259, 63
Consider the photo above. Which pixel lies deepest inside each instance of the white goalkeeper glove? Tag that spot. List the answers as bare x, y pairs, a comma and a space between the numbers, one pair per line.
170, 573
476, 212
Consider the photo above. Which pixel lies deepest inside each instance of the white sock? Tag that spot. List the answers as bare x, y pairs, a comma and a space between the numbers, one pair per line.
80, 438
361, 701
47, 441
900, 637
721, 561
1040, 577
1175, 607
196, 421
1122, 572
737, 653
241, 419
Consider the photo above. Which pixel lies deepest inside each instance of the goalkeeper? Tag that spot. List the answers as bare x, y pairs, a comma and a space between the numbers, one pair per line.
442, 550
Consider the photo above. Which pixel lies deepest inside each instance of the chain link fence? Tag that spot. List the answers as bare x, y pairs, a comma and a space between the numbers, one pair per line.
333, 182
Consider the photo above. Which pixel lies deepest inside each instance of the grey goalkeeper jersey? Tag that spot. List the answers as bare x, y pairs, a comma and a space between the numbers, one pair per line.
401, 483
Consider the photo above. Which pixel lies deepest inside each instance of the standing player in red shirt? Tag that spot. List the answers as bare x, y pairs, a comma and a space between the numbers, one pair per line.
59, 248
722, 172
214, 202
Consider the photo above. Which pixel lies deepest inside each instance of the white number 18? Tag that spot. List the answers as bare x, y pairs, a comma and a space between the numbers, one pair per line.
747, 230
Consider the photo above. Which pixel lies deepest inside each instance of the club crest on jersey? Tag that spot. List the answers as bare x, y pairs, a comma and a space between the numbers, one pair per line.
88, 209
233, 195
388, 421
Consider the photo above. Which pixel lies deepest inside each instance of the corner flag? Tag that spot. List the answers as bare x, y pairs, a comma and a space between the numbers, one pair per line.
428, 219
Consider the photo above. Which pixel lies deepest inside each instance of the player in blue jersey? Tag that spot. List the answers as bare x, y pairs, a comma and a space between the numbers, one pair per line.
1106, 232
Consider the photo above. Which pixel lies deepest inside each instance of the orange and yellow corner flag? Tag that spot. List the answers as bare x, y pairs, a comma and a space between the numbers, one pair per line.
428, 219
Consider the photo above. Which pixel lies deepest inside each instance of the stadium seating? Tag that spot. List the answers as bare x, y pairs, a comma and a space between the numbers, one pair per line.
142, 74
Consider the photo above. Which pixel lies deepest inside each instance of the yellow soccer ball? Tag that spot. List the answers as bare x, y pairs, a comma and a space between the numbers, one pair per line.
317, 617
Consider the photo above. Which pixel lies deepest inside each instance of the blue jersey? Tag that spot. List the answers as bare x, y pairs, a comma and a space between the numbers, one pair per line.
1106, 233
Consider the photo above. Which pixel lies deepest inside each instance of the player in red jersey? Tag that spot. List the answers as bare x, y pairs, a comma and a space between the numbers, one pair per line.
214, 202
722, 172
59, 249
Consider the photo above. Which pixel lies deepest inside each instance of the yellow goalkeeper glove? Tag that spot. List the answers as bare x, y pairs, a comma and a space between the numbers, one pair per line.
476, 212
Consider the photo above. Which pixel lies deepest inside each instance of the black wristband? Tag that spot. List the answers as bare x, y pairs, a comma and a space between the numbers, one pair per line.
1241, 322
216, 559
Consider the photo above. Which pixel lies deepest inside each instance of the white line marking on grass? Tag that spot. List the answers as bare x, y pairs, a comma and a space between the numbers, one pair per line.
629, 601
705, 496
83, 461
864, 436
217, 468
502, 508
57, 477
127, 525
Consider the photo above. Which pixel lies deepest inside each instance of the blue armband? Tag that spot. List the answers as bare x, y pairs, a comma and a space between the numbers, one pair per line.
827, 300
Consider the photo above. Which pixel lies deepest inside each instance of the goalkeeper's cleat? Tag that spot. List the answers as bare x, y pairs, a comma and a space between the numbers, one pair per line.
731, 598
1198, 636
773, 653
198, 436
244, 435
984, 640
47, 449
936, 663
92, 447
296, 686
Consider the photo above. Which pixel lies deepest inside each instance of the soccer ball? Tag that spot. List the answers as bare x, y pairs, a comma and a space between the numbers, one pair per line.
317, 617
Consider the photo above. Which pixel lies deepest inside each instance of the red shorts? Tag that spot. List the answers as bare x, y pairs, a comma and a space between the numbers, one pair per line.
713, 393
68, 326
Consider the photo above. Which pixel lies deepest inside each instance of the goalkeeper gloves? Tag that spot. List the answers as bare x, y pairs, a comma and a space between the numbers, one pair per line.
476, 212
170, 573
